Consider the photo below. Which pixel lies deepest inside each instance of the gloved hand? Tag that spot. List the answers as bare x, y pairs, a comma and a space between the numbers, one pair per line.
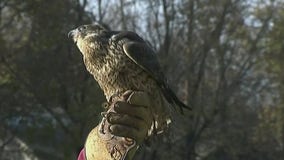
132, 118
128, 118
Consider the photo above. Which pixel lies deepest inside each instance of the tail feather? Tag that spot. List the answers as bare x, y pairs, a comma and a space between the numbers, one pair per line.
172, 98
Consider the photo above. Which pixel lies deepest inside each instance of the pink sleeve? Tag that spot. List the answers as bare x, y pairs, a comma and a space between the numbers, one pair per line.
82, 155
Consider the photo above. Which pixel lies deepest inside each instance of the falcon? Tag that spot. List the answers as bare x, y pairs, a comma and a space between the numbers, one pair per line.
121, 61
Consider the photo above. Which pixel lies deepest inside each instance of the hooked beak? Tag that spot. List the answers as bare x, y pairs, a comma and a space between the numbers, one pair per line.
71, 34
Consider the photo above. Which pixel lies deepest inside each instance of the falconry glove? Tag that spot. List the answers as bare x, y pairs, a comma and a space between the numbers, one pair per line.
125, 124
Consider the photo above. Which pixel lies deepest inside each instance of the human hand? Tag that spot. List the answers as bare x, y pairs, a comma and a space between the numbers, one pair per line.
132, 118
128, 117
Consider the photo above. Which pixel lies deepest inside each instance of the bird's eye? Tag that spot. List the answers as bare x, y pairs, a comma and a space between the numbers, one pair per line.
82, 28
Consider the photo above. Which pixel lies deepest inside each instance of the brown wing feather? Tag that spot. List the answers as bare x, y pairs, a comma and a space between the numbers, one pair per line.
144, 56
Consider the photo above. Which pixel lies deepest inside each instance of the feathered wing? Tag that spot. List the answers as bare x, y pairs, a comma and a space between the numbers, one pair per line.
144, 56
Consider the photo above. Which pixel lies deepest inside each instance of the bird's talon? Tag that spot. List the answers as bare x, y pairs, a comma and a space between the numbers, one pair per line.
104, 114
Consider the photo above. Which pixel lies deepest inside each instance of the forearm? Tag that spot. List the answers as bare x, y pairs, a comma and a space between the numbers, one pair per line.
96, 147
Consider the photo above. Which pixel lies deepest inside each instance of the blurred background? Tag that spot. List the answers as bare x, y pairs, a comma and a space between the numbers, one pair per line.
224, 58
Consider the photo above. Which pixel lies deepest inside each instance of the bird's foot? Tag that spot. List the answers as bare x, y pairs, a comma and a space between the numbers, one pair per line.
118, 147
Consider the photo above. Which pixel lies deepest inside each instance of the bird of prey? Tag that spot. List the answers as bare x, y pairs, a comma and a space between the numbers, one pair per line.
120, 61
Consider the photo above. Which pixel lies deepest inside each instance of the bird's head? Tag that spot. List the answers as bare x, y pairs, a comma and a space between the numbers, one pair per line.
88, 31
90, 36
